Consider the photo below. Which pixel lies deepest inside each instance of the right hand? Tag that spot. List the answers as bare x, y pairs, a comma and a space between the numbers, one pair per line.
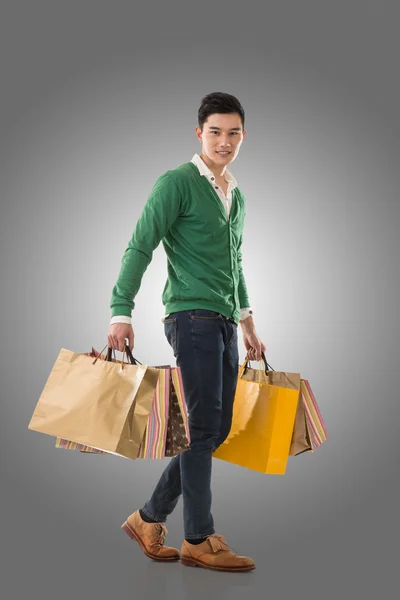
117, 334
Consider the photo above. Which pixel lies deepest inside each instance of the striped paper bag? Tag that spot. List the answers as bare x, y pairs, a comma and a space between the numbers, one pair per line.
68, 445
309, 430
167, 431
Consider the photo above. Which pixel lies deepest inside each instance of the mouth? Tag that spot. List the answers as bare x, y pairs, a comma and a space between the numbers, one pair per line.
223, 153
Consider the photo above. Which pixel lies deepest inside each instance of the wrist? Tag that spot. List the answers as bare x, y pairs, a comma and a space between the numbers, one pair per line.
248, 324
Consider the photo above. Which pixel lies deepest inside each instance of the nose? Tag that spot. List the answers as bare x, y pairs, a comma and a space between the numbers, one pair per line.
224, 144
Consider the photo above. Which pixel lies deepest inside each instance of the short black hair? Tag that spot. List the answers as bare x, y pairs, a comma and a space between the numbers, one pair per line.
218, 102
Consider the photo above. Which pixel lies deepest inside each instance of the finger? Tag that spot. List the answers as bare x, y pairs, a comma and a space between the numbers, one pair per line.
131, 342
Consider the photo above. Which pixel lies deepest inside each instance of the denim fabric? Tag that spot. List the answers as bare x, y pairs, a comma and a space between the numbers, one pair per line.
205, 347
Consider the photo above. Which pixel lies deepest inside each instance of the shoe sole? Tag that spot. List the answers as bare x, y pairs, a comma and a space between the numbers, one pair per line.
194, 563
132, 534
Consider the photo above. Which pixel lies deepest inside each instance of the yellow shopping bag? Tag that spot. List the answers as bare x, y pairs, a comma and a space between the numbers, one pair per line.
263, 418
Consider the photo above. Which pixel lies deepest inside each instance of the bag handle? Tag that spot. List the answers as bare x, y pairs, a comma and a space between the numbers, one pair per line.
132, 359
246, 365
127, 351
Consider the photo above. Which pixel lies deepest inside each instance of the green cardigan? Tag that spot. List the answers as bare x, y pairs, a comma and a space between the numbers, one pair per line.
203, 247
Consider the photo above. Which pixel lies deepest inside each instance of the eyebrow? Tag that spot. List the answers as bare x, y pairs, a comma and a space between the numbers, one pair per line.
231, 129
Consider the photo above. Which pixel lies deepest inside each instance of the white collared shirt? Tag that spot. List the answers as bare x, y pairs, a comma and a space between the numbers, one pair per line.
226, 201
204, 170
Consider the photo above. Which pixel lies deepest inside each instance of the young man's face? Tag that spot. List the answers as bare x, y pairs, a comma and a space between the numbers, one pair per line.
221, 132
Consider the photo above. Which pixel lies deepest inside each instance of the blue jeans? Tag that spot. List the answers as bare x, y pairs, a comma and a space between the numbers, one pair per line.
205, 347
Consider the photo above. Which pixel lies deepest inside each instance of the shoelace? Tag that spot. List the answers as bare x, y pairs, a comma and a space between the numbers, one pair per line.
160, 534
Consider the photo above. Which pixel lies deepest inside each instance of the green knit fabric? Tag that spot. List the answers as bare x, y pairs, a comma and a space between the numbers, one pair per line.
203, 247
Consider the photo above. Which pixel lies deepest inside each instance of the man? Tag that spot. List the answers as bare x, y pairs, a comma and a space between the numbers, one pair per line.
197, 211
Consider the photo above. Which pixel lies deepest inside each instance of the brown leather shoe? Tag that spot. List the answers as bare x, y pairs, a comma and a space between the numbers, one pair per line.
150, 536
214, 553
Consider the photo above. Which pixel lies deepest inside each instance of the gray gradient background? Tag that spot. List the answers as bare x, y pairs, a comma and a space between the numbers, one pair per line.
97, 100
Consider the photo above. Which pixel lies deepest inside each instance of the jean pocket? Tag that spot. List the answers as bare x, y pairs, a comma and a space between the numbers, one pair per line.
170, 330
203, 314
169, 320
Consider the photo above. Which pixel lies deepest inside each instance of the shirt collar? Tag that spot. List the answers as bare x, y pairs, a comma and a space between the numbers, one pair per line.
204, 170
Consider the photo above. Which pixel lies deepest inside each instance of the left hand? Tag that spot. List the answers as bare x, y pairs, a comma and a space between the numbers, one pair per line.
252, 342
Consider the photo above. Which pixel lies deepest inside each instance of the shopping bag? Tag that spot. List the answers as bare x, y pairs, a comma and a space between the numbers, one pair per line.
167, 431
97, 403
263, 418
167, 428
309, 428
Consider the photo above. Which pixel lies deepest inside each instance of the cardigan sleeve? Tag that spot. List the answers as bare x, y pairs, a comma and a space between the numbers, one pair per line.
242, 288
161, 210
